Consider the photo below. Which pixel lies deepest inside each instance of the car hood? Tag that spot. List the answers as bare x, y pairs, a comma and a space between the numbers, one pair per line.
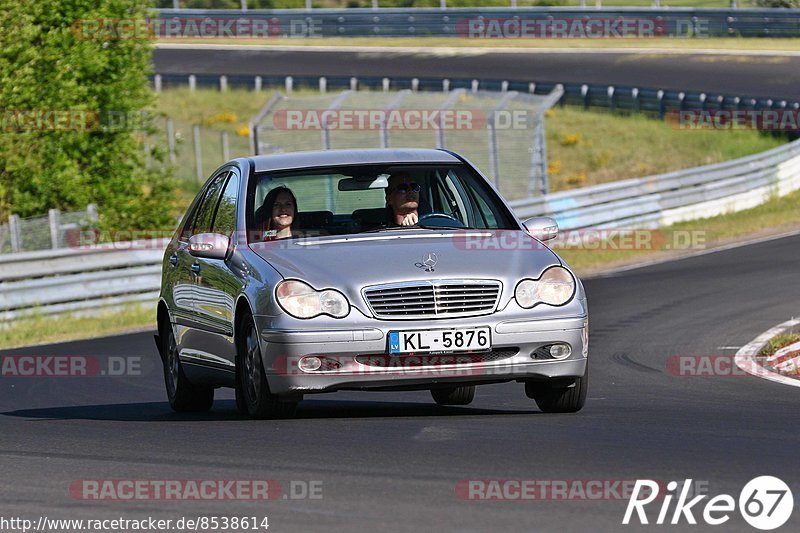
349, 263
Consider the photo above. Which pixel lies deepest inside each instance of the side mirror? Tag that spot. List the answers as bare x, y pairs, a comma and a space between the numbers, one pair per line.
542, 228
209, 245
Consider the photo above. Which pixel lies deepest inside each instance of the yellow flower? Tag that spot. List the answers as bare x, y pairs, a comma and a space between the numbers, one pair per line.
569, 140
243, 131
227, 117
580, 179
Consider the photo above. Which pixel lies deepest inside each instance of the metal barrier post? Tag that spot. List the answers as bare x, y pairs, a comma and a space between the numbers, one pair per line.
13, 230
336, 104
611, 101
91, 212
226, 151
447, 104
539, 174
53, 219
494, 160
171, 140
198, 157
255, 146
394, 104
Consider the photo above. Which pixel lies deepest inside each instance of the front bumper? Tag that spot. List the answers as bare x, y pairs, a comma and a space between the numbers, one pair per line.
360, 361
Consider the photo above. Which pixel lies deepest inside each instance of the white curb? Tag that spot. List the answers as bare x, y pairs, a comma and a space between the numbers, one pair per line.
746, 356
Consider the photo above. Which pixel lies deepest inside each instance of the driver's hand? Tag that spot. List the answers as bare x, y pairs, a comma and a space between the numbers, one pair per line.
410, 219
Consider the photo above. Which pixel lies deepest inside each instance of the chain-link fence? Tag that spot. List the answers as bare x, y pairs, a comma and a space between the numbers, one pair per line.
502, 133
56, 230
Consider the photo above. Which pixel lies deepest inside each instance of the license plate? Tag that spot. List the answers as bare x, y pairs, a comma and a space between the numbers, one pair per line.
440, 341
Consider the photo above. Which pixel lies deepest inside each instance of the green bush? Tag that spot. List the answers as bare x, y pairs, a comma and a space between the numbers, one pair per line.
47, 66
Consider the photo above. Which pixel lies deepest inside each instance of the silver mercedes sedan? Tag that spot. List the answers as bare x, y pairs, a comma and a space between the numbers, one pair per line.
313, 272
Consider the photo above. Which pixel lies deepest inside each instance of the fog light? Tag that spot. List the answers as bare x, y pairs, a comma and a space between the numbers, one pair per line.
560, 351
310, 364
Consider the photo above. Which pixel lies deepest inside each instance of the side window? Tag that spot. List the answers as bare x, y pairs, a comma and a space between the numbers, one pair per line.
487, 215
225, 219
205, 213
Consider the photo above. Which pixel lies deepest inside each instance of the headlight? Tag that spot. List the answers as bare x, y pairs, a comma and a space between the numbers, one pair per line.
555, 287
301, 300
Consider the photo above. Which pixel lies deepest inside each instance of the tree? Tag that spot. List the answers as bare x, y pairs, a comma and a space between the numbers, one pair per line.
59, 88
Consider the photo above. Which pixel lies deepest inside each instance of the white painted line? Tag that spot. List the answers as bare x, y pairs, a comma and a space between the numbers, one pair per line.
728, 347
746, 356
474, 50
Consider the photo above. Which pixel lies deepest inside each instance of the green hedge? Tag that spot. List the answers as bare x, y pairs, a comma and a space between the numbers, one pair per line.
50, 72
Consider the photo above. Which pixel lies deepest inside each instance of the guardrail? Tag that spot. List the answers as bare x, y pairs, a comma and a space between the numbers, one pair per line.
79, 280
664, 199
477, 23
87, 280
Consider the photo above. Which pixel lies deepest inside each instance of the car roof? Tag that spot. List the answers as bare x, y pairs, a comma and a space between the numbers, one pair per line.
331, 158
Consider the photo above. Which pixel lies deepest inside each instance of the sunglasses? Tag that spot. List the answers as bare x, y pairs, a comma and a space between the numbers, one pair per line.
405, 187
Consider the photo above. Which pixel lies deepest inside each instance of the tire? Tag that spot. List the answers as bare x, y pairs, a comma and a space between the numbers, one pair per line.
183, 396
252, 390
454, 395
559, 399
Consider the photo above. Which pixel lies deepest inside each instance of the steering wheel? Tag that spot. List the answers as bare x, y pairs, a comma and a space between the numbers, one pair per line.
443, 219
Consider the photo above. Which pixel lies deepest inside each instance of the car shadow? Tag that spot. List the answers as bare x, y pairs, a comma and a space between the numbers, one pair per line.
225, 410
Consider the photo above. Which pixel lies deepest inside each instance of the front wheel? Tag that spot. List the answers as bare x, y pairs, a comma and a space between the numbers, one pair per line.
454, 395
555, 399
252, 391
182, 394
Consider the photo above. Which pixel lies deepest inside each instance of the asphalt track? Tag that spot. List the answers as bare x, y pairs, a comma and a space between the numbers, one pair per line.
391, 461
758, 76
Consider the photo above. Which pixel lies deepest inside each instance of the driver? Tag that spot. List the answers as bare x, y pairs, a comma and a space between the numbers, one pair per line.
402, 196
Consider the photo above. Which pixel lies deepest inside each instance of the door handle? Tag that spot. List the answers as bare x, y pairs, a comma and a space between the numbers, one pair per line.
196, 268
173, 259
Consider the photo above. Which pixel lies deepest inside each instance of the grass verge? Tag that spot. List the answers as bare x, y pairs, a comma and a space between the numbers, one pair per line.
47, 330
778, 342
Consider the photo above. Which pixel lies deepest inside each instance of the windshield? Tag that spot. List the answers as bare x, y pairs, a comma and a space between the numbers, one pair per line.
361, 199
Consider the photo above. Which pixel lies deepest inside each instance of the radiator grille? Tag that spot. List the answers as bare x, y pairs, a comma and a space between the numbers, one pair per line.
433, 299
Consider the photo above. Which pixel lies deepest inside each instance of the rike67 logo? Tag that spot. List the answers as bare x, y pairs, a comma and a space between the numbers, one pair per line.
765, 503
